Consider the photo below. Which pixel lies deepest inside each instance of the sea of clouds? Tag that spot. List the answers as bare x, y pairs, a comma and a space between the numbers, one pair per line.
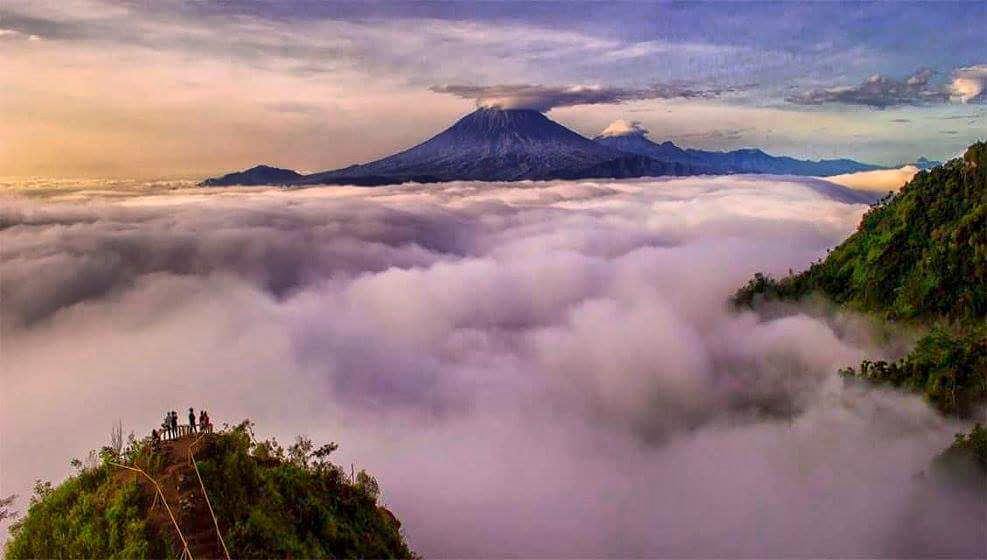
530, 369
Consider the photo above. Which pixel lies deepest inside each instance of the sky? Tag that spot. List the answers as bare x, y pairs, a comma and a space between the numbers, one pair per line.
92, 88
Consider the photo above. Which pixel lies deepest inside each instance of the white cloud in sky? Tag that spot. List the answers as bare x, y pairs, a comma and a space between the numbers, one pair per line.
969, 82
621, 127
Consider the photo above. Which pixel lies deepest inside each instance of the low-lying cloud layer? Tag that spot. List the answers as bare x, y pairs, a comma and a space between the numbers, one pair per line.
877, 181
543, 98
533, 369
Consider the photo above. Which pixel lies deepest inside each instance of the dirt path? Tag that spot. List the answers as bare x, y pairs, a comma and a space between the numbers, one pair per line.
180, 487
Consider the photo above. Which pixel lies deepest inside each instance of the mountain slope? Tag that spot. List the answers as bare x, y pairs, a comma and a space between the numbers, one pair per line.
737, 161
920, 257
636, 143
268, 502
921, 254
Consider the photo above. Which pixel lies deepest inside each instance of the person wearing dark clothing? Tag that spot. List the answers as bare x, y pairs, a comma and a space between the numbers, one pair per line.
191, 420
174, 423
203, 421
166, 425
155, 440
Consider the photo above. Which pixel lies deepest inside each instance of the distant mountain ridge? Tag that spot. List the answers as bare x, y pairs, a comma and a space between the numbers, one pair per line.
926, 163
257, 175
522, 144
737, 161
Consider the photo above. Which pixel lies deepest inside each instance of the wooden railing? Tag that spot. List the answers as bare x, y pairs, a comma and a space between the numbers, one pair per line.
184, 430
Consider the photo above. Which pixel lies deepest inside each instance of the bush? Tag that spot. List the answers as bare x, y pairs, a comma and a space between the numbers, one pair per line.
945, 366
86, 517
965, 461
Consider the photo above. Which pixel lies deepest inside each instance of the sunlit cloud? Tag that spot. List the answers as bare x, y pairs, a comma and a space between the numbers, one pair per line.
968, 83
878, 181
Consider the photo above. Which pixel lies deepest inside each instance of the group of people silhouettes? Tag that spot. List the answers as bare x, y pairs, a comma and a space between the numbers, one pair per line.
171, 429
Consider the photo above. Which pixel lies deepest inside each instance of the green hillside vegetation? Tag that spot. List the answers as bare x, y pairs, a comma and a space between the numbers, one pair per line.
919, 255
918, 259
947, 366
268, 501
966, 460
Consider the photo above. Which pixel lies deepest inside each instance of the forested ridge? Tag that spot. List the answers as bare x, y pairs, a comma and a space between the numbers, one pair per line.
918, 255
917, 260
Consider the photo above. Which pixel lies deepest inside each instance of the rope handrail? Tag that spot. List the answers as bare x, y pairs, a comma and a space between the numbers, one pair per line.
215, 522
186, 551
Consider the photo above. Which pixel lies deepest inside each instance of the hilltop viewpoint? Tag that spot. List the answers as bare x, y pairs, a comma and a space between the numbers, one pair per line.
209, 495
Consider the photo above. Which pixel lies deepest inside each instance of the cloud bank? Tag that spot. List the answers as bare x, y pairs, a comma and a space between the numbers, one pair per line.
543, 98
534, 369
877, 181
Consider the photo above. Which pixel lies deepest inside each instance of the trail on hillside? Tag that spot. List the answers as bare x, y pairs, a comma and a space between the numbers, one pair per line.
186, 510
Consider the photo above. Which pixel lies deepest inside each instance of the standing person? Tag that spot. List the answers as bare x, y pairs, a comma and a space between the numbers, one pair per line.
166, 425
203, 421
191, 420
174, 423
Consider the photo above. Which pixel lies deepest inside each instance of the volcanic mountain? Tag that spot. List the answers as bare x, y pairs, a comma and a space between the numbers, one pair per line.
501, 145
516, 144
634, 140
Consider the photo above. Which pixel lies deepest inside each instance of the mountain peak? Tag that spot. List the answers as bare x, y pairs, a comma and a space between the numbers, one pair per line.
256, 175
621, 127
926, 163
492, 120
